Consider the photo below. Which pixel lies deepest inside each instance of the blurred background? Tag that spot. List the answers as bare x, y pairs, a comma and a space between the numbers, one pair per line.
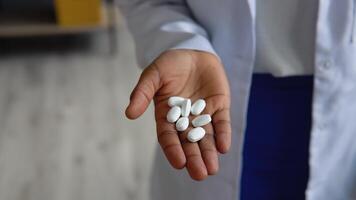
66, 71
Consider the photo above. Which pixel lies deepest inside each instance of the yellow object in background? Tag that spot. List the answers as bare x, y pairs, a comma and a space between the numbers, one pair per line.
78, 12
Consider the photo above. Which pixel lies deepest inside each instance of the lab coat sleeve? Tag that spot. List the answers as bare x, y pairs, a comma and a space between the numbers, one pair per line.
160, 25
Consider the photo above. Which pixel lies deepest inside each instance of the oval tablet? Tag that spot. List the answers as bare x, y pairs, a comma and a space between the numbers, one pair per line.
175, 101
201, 120
198, 107
182, 124
196, 134
186, 106
174, 114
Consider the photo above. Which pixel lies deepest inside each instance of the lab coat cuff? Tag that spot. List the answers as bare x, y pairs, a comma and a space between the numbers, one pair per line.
193, 42
198, 43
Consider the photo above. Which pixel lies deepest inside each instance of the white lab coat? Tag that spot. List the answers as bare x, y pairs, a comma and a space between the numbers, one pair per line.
226, 28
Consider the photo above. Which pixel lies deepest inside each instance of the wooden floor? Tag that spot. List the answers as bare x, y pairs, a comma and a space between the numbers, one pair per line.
63, 135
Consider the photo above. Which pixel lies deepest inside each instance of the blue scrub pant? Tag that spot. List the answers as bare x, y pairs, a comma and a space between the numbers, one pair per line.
276, 148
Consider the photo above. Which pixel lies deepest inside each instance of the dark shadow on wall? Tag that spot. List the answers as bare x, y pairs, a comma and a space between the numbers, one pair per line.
16, 5
45, 45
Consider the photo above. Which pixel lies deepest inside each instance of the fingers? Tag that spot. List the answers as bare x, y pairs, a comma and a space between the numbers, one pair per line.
143, 93
171, 146
222, 129
208, 150
200, 159
220, 112
168, 138
195, 164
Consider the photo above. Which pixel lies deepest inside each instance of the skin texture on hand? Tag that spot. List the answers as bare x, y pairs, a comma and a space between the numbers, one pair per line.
195, 75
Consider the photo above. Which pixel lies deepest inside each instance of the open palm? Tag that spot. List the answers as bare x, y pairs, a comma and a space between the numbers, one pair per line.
195, 75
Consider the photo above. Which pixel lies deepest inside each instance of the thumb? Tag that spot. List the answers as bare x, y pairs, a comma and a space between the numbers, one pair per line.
143, 93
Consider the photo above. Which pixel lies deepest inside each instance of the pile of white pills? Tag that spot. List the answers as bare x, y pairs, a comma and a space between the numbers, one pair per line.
180, 110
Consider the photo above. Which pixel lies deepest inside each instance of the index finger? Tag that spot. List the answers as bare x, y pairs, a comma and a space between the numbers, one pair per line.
222, 129
168, 138
219, 110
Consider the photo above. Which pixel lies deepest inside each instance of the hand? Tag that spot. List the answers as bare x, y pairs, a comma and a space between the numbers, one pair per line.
190, 74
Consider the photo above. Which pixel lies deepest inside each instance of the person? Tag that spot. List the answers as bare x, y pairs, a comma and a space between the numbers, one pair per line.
284, 68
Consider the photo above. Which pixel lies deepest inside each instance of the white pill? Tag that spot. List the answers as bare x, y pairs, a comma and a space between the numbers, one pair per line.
198, 107
201, 120
174, 114
175, 101
196, 134
186, 106
182, 124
